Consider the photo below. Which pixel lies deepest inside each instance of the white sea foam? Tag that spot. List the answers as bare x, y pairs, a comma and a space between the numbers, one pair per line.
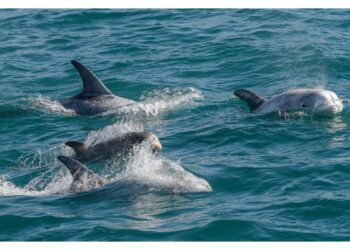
160, 173
112, 131
41, 102
38, 186
157, 102
151, 104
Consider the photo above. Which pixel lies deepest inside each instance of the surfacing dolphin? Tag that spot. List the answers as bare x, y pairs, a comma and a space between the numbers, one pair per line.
83, 178
95, 98
313, 100
120, 145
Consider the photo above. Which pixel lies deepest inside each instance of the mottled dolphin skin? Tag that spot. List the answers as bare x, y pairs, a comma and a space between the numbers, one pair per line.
107, 149
314, 100
95, 97
83, 178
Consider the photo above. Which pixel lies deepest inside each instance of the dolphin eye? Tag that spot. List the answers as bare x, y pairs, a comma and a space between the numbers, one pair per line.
304, 105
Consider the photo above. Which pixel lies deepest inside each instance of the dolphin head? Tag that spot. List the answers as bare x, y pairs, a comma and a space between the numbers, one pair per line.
140, 137
155, 143
321, 101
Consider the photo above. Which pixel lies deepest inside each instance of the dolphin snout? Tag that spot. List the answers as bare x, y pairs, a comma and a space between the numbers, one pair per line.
156, 145
336, 104
331, 107
154, 141
339, 105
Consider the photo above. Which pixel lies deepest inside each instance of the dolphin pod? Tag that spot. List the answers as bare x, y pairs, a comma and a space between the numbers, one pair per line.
97, 98
314, 100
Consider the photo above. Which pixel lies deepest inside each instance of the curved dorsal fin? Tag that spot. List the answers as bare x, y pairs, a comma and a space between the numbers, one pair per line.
77, 146
79, 172
75, 168
92, 85
254, 101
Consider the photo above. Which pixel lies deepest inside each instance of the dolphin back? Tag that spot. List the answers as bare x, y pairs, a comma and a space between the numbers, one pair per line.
253, 100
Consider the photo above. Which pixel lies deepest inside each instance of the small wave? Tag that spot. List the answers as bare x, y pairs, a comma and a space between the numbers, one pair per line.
38, 186
48, 177
9, 189
159, 101
45, 103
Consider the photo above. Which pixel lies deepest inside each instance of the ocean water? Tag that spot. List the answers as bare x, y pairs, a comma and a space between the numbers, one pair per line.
223, 174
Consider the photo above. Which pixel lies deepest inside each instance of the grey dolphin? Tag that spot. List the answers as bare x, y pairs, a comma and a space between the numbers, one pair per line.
315, 100
107, 149
95, 98
83, 178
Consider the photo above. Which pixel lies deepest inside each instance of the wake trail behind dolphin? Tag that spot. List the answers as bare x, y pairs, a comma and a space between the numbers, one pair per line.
151, 104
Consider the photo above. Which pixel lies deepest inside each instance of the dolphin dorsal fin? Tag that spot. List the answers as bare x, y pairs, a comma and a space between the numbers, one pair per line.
77, 146
75, 168
92, 85
254, 101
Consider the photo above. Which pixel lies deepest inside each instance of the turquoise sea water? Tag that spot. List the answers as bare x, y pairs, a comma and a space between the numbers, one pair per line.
272, 177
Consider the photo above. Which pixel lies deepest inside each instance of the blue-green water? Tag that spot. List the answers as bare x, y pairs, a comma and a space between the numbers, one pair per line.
273, 178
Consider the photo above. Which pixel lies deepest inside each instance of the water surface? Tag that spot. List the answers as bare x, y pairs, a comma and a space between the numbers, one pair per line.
273, 178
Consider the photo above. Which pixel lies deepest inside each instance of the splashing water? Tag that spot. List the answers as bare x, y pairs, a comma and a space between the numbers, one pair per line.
8, 189
42, 158
161, 173
45, 103
59, 183
49, 178
159, 101
113, 131
142, 168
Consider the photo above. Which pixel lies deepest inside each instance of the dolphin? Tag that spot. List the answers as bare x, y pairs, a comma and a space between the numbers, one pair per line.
314, 100
107, 149
83, 178
95, 98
